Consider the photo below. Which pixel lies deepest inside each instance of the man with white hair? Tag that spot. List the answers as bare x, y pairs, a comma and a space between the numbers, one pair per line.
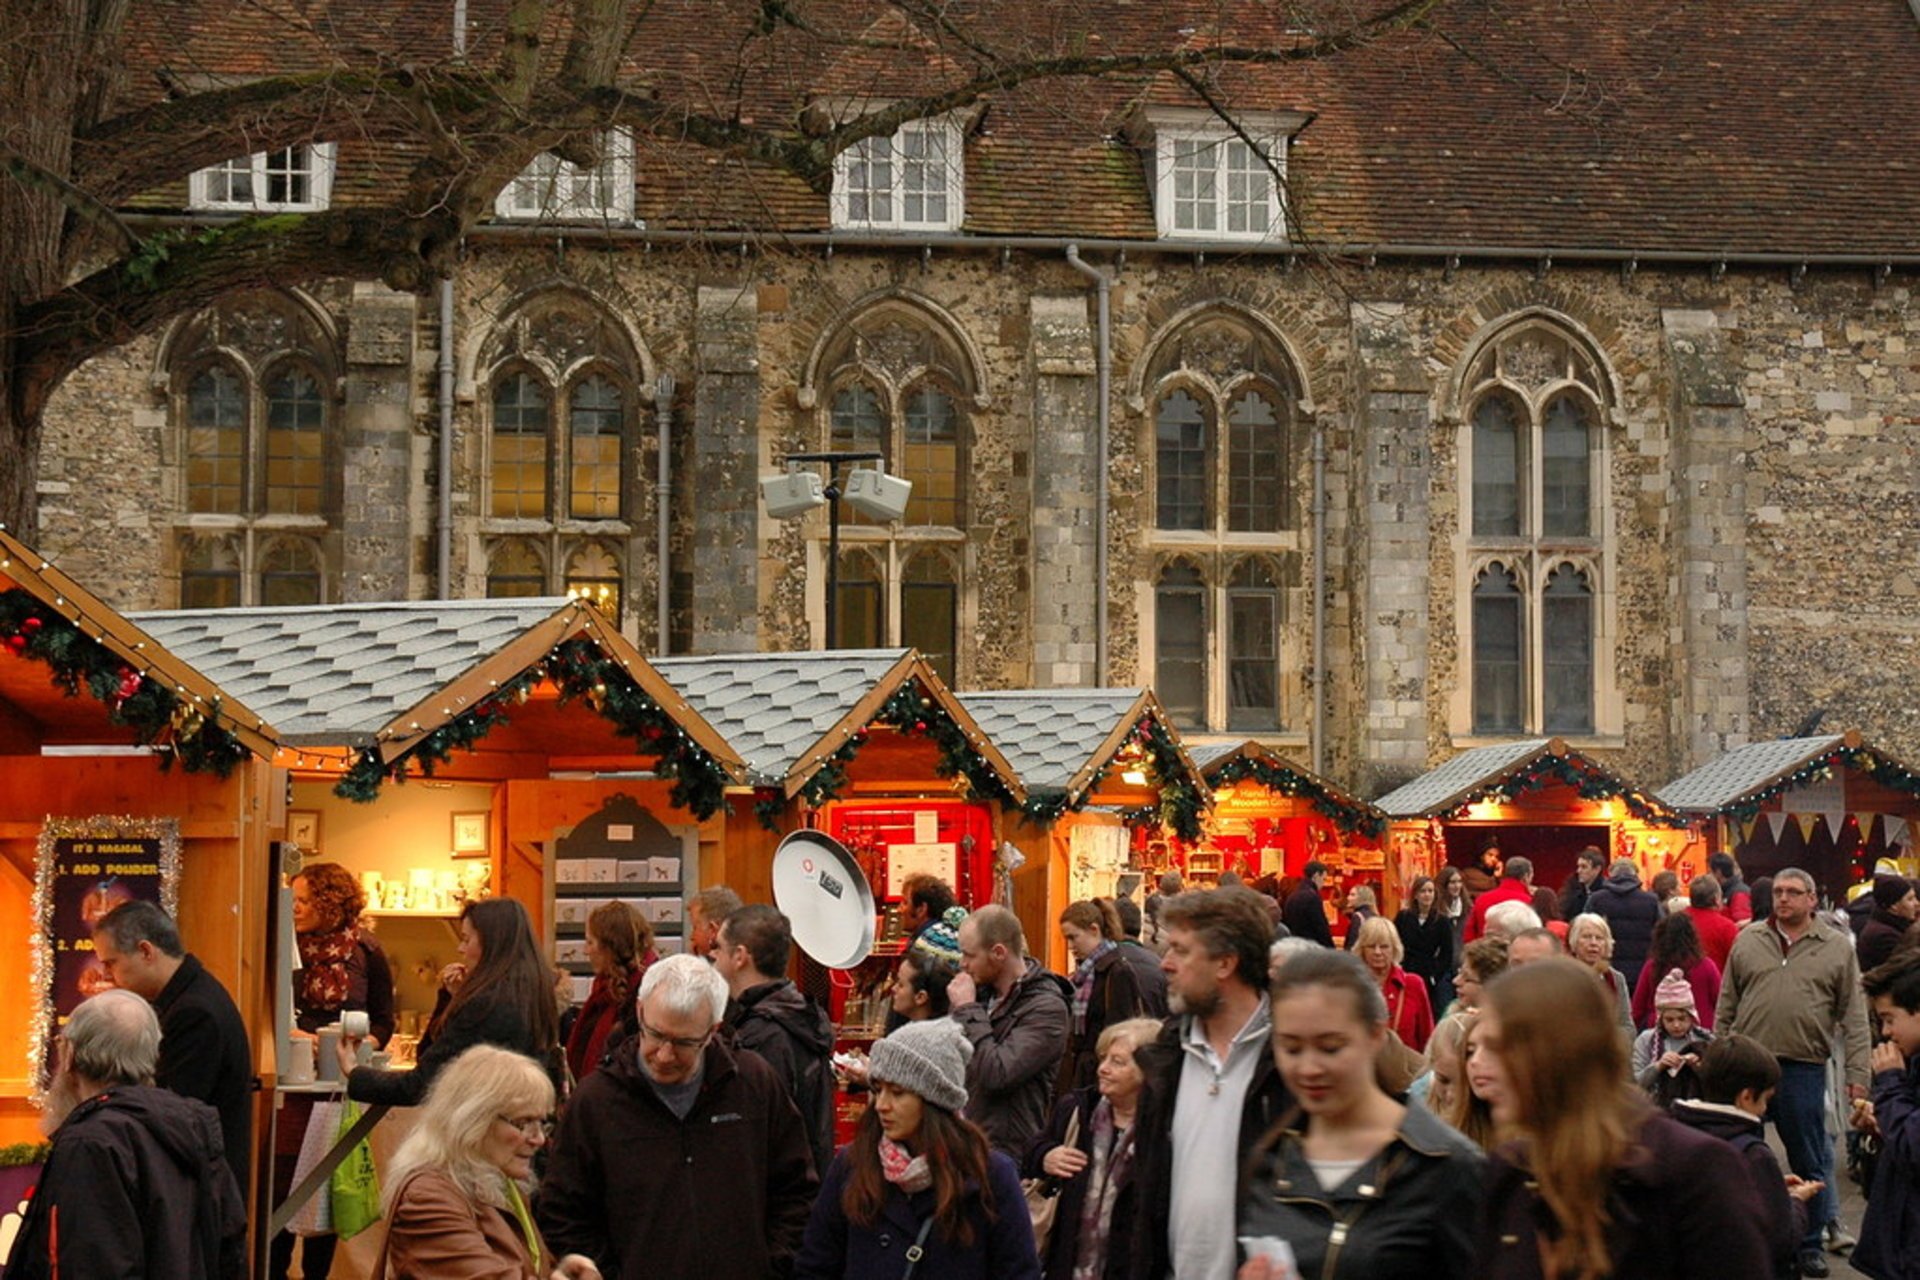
137, 1182
1509, 920
680, 1156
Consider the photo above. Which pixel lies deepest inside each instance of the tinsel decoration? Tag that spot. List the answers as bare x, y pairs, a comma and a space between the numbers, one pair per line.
158, 716
1590, 782
166, 831
1181, 800
578, 669
1352, 818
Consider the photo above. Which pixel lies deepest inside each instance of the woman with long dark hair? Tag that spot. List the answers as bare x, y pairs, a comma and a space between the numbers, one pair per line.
620, 947
499, 993
919, 1175
1676, 945
1105, 990
1597, 1185
1426, 934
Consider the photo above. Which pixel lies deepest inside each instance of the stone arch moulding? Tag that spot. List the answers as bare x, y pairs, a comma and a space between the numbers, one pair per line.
1136, 393
483, 346
973, 365
172, 346
1454, 390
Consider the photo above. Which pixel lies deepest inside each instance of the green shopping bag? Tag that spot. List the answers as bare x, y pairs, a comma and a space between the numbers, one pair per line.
354, 1189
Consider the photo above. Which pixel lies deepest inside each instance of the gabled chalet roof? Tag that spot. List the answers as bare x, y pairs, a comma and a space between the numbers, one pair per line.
1229, 762
1474, 773
786, 714
1060, 739
356, 675
1745, 776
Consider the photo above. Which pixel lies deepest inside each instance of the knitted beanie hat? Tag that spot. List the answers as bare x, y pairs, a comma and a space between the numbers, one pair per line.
939, 943
1888, 890
929, 1058
1675, 992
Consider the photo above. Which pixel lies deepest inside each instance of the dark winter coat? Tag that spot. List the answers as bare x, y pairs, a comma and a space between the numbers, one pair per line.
1063, 1244
1116, 997
721, 1194
1889, 1247
1151, 977
1002, 1248
1576, 897
1631, 912
482, 1020
1305, 915
204, 1054
1429, 945
1879, 936
793, 1033
1407, 1214
1784, 1218
136, 1185
1681, 1207
1018, 1042
1160, 1064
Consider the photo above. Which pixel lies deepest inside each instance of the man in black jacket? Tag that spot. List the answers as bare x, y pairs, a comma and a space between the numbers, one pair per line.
680, 1157
136, 1184
1631, 912
1304, 914
775, 1019
203, 1043
1588, 866
1016, 1014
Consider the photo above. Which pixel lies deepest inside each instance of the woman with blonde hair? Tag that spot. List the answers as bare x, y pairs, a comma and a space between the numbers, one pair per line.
620, 947
1590, 942
1106, 991
1409, 1010
1597, 1184
456, 1198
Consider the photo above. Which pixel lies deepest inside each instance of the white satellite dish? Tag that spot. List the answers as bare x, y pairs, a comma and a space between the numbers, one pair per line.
821, 889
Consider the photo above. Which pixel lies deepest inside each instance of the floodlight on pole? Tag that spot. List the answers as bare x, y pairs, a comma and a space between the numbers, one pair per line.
791, 493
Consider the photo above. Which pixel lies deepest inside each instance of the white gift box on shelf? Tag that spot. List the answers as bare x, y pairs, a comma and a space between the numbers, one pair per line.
570, 870
602, 870
664, 870
669, 946
635, 870
570, 910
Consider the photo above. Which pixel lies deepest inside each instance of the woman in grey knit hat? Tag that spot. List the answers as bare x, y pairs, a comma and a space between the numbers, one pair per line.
918, 1191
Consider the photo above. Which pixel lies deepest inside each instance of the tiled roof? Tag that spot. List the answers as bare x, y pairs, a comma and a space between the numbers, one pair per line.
1207, 754
1708, 126
1728, 779
1050, 735
330, 675
773, 708
1440, 787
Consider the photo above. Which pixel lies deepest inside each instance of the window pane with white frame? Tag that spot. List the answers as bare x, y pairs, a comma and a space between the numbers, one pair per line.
296, 179
910, 179
1213, 185
550, 189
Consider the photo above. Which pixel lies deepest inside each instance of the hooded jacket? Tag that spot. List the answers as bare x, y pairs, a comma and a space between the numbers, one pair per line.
136, 1185
793, 1033
1631, 912
723, 1193
1875, 940
1018, 1042
1785, 1219
1889, 1247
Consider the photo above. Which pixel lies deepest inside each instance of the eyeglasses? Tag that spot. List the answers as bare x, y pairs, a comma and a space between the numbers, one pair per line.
529, 1126
678, 1044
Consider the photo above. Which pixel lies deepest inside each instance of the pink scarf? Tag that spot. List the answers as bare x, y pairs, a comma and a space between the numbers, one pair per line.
909, 1173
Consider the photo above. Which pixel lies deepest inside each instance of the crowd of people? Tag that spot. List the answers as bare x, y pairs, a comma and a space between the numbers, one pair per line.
1512, 1083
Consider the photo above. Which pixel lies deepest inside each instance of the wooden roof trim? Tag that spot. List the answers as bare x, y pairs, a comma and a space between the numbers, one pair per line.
1254, 747
99, 621
1144, 705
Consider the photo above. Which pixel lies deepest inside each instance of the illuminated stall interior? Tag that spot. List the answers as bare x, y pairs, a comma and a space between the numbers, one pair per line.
1112, 797
1270, 817
1835, 806
1538, 799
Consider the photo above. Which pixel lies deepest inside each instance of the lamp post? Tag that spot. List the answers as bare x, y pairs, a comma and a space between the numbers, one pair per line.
793, 492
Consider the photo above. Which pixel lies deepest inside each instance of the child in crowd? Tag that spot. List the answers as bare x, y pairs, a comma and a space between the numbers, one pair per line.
1738, 1076
1890, 1235
1666, 1056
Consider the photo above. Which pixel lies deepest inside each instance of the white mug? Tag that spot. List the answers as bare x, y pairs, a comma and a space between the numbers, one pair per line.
353, 1023
327, 1052
299, 1066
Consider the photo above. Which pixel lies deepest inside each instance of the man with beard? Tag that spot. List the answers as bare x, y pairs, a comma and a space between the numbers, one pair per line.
136, 1183
1211, 1088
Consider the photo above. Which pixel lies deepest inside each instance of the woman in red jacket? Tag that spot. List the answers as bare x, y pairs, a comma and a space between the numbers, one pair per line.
620, 947
1409, 1011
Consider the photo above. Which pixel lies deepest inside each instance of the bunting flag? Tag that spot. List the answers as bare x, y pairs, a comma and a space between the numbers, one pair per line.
1866, 827
1746, 827
1806, 821
1895, 830
1836, 823
1776, 822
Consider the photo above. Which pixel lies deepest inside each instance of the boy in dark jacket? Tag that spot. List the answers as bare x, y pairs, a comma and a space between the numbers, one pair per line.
1889, 1247
1738, 1076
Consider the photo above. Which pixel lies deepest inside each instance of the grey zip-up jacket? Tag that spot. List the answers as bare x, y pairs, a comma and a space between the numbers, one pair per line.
1018, 1042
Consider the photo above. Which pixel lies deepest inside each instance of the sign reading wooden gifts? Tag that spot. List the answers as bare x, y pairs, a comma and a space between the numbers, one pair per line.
85, 868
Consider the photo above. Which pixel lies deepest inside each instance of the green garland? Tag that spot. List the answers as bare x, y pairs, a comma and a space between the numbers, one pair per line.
16, 1154
1348, 816
1181, 800
1888, 773
1588, 781
157, 715
580, 670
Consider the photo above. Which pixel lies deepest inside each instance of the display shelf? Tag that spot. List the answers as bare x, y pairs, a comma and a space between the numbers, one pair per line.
397, 913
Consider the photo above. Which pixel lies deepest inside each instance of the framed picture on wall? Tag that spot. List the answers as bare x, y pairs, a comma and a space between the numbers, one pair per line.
303, 829
470, 835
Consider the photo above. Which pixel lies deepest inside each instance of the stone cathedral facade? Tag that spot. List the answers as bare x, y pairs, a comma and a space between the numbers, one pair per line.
1653, 492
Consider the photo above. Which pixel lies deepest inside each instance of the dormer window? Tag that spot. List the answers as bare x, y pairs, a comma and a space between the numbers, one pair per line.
291, 180
555, 190
1213, 182
910, 180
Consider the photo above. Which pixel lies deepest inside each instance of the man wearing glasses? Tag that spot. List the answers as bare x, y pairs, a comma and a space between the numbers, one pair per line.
1790, 980
680, 1156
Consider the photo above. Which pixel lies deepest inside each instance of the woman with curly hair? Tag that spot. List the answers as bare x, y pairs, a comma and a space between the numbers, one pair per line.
1596, 1184
620, 947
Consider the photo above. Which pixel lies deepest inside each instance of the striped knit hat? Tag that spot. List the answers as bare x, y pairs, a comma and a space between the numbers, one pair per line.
938, 946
